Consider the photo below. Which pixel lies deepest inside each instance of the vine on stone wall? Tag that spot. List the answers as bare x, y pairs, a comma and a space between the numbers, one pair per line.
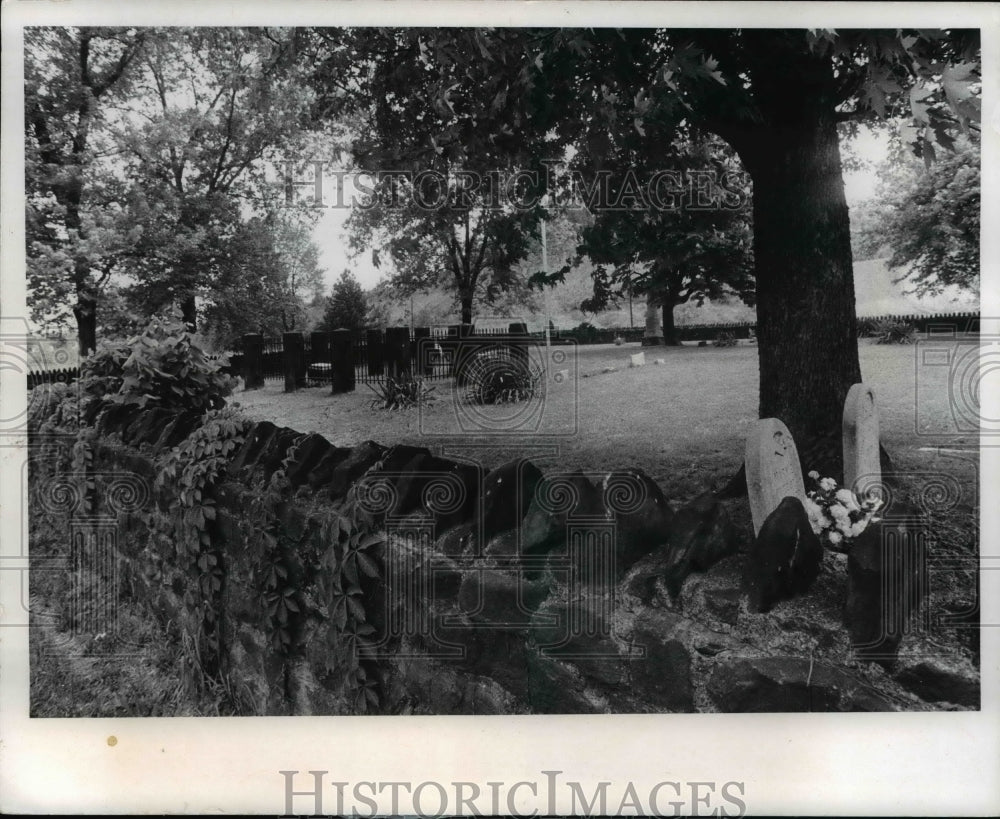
190, 471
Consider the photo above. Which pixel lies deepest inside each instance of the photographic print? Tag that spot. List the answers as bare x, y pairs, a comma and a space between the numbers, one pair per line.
484, 370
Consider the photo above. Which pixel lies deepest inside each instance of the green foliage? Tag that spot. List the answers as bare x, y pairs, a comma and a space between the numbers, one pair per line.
347, 308
190, 471
927, 220
498, 377
165, 368
347, 565
401, 391
890, 331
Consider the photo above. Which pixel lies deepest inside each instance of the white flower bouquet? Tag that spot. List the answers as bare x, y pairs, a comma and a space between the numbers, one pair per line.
837, 515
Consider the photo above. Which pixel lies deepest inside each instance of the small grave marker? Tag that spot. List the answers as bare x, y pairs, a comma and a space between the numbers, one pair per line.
862, 466
637, 360
773, 469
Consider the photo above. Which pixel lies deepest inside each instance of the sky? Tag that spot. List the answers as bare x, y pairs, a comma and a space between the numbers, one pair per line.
329, 234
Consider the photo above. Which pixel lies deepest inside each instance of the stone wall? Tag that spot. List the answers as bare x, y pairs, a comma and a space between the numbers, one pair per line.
503, 591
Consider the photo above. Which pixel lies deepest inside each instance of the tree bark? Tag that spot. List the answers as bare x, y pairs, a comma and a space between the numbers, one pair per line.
189, 313
806, 324
85, 311
466, 301
670, 337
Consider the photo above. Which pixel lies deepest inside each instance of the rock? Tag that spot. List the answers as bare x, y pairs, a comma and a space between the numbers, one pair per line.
149, 426
178, 430
641, 513
275, 451
311, 450
701, 534
659, 361
637, 360
932, 681
505, 600
438, 488
579, 631
321, 473
507, 494
556, 500
791, 684
785, 557
663, 677
456, 540
609, 370
361, 458
556, 688
877, 624
256, 439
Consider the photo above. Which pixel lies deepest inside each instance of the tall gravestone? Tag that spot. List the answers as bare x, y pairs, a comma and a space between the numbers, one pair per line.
862, 466
773, 469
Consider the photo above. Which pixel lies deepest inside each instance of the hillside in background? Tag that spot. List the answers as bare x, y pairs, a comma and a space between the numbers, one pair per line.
875, 289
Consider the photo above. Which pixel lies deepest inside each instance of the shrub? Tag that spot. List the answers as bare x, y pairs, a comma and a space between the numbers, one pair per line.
498, 377
619, 341
102, 372
891, 331
401, 392
165, 368
586, 333
725, 339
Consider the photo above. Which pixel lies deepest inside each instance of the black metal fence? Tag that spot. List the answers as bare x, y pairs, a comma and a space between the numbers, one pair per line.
344, 358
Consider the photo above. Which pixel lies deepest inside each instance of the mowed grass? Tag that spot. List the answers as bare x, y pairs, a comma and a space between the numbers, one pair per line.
684, 422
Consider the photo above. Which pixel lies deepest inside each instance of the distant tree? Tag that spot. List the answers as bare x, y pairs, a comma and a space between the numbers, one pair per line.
925, 220
694, 251
347, 308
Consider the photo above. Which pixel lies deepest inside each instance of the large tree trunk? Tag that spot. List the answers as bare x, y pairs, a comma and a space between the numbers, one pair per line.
465, 299
806, 325
670, 337
189, 313
85, 311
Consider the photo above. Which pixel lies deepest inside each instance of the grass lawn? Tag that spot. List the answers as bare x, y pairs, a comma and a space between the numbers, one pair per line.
684, 422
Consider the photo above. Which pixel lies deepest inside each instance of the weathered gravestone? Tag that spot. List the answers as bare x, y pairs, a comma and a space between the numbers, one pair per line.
862, 467
637, 360
773, 470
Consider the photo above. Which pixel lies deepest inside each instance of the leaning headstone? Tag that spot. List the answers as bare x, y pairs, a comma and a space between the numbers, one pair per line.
862, 467
773, 469
637, 360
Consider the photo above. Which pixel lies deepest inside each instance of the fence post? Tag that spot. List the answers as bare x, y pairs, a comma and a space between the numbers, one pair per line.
341, 361
295, 361
376, 353
397, 343
253, 364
